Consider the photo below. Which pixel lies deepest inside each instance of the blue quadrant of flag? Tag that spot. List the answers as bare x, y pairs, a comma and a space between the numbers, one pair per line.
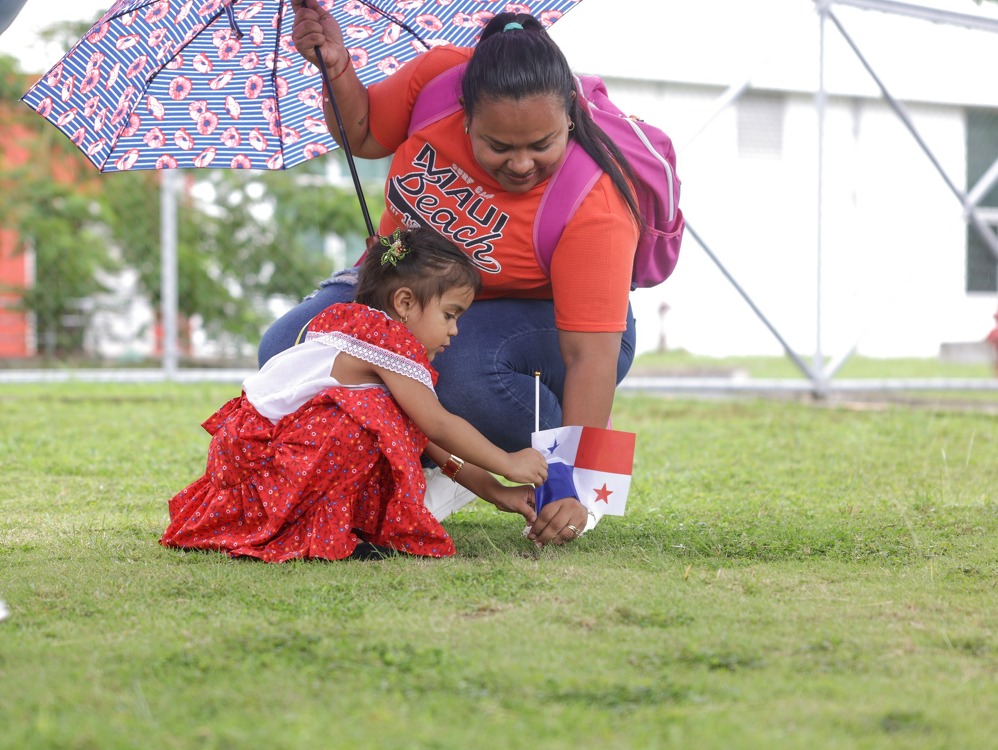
559, 484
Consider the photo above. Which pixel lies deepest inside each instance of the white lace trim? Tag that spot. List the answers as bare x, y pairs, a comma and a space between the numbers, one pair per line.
374, 354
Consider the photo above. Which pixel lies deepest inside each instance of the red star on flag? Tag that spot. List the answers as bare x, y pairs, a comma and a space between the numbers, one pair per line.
603, 494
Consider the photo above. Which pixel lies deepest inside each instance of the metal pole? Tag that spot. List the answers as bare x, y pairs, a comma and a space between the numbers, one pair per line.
801, 364
821, 106
168, 259
970, 208
934, 15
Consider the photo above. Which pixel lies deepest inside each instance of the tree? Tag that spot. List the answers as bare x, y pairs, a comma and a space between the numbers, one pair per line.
256, 236
53, 215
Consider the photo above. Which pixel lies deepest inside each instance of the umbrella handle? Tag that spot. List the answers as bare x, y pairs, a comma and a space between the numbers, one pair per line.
344, 144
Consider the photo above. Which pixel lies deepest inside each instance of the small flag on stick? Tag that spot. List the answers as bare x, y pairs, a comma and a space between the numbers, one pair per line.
589, 463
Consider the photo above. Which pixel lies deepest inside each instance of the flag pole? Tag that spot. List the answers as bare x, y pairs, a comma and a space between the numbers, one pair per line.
537, 401
537, 428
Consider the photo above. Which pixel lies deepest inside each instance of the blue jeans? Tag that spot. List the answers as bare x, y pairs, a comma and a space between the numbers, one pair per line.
487, 372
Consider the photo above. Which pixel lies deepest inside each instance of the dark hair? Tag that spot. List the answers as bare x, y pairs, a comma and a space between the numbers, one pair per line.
432, 265
518, 63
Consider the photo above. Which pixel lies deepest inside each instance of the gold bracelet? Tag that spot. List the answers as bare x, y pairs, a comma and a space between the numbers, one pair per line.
452, 467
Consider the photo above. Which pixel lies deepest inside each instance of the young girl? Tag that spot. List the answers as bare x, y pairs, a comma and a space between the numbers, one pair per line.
321, 452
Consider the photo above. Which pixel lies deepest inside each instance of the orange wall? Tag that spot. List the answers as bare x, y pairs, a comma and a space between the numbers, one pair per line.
14, 333
14, 339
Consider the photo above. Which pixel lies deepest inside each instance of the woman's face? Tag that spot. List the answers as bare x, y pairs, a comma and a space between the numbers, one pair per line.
519, 142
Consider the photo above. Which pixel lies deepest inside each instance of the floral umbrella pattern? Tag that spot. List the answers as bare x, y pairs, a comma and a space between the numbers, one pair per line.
165, 84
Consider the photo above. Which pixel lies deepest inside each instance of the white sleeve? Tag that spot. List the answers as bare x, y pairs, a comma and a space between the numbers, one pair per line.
289, 379
374, 354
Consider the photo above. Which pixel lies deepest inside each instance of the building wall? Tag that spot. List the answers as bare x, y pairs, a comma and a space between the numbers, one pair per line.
15, 336
16, 271
882, 265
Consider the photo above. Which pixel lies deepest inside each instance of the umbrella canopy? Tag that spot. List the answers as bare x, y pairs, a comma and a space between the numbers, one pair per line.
164, 84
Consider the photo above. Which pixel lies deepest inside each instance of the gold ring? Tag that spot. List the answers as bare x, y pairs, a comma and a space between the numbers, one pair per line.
574, 530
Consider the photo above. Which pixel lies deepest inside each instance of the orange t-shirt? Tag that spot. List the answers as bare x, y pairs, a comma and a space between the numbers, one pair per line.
434, 175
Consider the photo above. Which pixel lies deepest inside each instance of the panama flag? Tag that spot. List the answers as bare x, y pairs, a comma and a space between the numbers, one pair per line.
591, 464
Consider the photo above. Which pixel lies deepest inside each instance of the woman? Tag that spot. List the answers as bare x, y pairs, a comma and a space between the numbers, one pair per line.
477, 176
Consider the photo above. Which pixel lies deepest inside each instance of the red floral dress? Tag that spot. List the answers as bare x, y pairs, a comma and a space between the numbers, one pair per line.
342, 467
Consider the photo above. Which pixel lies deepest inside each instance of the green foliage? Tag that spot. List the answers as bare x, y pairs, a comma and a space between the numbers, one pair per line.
258, 236
11, 80
65, 33
787, 576
60, 226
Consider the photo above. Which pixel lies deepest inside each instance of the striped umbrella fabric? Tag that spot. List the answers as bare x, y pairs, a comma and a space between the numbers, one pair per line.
165, 84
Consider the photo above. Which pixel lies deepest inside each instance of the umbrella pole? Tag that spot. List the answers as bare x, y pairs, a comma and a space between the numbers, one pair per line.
168, 261
343, 142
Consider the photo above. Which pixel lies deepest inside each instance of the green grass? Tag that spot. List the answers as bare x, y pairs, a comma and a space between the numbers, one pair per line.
787, 576
682, 363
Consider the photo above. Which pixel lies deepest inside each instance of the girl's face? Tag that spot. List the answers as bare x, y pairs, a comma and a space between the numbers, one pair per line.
435, 323
519, 142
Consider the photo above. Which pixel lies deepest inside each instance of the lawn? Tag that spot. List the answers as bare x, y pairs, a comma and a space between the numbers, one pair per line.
684, 364
788, 575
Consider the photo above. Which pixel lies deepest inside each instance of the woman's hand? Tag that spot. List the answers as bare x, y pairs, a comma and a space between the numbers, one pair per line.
315, 27
527, 466
559, 522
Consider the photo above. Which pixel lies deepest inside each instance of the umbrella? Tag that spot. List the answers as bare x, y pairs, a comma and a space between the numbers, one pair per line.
217, 83
174, 84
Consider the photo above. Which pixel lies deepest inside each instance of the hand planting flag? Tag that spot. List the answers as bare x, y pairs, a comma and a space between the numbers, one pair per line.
591, 464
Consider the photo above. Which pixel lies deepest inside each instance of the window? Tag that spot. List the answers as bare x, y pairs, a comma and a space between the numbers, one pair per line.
982, 152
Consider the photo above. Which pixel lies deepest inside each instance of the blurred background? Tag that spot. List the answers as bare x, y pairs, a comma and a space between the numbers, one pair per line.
839, 167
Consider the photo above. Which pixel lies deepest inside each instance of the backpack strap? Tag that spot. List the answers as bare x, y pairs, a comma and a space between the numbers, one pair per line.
438, 98
566, 189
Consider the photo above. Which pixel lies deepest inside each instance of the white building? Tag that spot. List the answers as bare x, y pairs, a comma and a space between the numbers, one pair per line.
736, 86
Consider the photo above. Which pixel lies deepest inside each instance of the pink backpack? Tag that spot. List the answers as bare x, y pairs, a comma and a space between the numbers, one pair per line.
648, 149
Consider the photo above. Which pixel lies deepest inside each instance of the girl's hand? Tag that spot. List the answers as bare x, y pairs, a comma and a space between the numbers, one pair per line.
527, 467
315, 27
516, 499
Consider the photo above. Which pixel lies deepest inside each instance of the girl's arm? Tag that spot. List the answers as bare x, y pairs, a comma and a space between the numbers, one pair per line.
351, 370
517, 499
457, 436
315, 27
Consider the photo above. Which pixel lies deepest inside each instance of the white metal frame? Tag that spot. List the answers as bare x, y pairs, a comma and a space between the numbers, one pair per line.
819, 374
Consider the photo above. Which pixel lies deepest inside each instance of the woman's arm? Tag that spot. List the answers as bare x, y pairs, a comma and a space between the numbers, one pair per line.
590, 278
590, 377
316, 28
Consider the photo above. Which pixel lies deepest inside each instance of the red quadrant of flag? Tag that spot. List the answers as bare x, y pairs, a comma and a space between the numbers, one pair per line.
605, 450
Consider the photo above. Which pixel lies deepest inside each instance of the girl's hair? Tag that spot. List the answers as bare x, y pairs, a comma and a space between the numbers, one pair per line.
429, 265
517, 63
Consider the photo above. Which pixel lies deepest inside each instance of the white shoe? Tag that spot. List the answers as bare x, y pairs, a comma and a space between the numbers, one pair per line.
443, 495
